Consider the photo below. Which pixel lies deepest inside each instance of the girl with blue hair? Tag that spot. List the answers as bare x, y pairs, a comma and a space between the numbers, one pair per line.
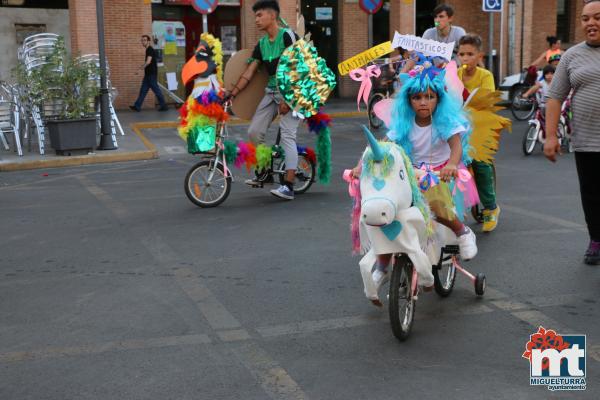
432, 128
430, 125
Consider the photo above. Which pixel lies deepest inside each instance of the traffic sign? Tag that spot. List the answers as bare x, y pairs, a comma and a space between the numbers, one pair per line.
492, 5
370, 6
205, 6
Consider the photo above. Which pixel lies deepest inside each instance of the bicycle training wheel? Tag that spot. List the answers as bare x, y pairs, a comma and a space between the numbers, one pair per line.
374, 121
207, 185
444, 276
522, 109
305, 174
530, 139
402, 303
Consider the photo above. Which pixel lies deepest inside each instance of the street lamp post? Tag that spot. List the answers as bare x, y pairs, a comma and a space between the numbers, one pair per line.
106, 142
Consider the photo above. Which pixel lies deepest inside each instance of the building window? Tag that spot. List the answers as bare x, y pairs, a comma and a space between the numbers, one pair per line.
562, 20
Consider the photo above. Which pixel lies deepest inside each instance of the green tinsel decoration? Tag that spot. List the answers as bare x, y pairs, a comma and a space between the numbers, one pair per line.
263, 157
324, 155
230, 152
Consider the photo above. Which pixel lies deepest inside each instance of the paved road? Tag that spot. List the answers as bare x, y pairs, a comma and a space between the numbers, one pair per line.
114, 286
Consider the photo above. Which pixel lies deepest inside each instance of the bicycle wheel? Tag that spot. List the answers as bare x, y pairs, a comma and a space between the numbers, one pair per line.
374, 121
444, 276
305, 174
402, 303
207, 186
522, 109
530, 139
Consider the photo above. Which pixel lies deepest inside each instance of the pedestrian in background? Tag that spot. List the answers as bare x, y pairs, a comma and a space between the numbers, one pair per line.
150, 80
579, 70
444, 31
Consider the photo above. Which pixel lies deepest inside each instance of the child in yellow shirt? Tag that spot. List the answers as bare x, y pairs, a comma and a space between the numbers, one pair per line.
473, 77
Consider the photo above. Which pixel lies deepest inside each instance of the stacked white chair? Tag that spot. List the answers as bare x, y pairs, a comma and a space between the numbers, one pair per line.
33, 55
10, 116
115, 124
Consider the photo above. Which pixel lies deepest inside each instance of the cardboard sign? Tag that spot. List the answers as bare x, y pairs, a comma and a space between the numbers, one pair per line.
365, 57
428, 47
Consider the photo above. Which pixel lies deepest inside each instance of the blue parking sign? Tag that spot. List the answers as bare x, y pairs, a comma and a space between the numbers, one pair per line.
205, 6
492, 5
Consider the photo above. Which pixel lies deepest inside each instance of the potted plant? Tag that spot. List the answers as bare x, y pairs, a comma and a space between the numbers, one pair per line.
65, 90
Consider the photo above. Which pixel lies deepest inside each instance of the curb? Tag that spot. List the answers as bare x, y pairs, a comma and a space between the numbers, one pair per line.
149, 154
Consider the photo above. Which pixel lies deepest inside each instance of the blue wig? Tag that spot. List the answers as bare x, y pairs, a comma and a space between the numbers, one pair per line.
447, 116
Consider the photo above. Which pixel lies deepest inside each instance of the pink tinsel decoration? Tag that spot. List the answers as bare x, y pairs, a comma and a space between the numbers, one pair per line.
242, 154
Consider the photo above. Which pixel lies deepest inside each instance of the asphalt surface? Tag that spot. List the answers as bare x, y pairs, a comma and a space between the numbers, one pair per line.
114, 286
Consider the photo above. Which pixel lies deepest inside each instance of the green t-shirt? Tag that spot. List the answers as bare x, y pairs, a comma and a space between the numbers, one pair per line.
268, 52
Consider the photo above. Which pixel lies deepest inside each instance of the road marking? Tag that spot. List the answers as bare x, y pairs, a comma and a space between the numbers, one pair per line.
234, 335
274, 379
295, 328
120, 345
537, 318
535, 232
594, 352
116, 207
544, 217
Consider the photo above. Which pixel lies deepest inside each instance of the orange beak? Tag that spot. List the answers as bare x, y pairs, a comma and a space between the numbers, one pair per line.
192, 68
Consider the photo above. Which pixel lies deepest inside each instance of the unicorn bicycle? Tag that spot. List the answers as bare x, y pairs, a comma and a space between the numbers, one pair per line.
208, 182
390, 217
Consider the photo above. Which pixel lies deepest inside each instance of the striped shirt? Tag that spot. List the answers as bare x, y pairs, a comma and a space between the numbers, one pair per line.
579, 69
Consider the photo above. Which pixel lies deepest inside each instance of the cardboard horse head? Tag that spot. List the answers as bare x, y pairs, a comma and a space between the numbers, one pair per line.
393, 215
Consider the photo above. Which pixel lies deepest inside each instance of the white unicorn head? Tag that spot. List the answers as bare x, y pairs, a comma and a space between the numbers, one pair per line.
384, 185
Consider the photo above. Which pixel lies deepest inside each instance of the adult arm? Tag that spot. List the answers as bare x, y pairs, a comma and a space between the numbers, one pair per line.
539, 60
531, 90
451, 168
245, 78
559, 90
149, 55
551, 146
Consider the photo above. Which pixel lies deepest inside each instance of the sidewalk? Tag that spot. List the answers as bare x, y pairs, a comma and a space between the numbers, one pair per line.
134, 145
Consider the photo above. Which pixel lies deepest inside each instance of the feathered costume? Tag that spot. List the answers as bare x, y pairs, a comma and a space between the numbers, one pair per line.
202, 111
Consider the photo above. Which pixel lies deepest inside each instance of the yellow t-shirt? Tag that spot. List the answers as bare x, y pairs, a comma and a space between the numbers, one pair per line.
482, 79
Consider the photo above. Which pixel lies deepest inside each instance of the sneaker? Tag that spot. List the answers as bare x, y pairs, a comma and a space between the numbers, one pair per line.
592, 254
134, 108
380, 277
163, 108
283, 192
490, 219
467, 244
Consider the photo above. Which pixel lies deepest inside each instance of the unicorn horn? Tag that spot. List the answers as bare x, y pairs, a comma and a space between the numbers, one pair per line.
377, 153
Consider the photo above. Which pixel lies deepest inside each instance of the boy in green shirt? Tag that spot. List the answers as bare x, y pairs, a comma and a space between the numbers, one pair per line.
267, 52
473, 77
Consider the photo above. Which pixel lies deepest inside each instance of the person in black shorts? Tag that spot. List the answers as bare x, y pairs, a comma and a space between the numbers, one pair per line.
150, 80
